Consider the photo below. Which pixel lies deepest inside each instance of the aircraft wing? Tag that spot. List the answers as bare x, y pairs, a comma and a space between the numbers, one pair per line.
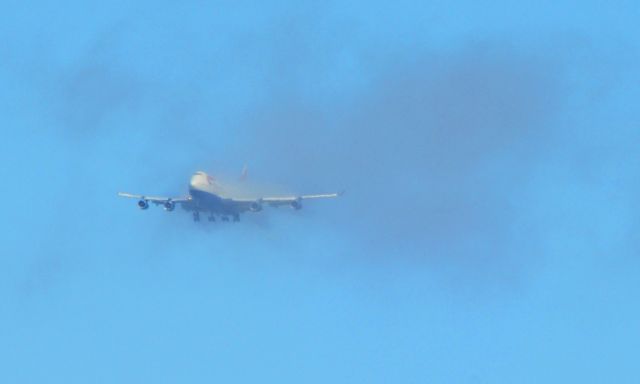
276, 201
157, 200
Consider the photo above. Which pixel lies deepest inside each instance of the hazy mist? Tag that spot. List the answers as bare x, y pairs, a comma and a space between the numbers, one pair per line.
490, 215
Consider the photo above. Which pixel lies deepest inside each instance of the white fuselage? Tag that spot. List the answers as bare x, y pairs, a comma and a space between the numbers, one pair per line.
201, 182
209, 195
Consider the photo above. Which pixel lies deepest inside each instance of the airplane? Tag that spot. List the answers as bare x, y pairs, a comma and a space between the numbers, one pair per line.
208, 195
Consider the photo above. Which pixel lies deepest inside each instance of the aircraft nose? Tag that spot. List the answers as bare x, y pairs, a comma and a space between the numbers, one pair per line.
198, 181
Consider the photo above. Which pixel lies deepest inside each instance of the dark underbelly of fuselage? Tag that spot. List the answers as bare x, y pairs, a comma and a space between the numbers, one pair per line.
209, 202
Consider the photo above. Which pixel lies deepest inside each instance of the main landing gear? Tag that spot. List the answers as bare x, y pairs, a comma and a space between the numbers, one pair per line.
211, 218
235, 217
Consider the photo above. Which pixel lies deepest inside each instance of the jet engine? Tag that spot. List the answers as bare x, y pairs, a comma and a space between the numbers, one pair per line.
255, 207
296, 204
143, 204
169, 206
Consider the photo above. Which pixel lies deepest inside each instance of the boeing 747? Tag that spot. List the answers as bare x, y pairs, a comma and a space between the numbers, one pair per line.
209, 196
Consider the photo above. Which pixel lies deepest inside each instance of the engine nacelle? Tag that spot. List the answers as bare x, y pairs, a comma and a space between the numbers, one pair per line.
255, 207
296, 204
169, 206
143, 204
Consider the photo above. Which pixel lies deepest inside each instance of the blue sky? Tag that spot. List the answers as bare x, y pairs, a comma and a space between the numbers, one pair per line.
489, 152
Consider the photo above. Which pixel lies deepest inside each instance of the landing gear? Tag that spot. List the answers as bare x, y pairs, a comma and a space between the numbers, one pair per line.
211, 217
